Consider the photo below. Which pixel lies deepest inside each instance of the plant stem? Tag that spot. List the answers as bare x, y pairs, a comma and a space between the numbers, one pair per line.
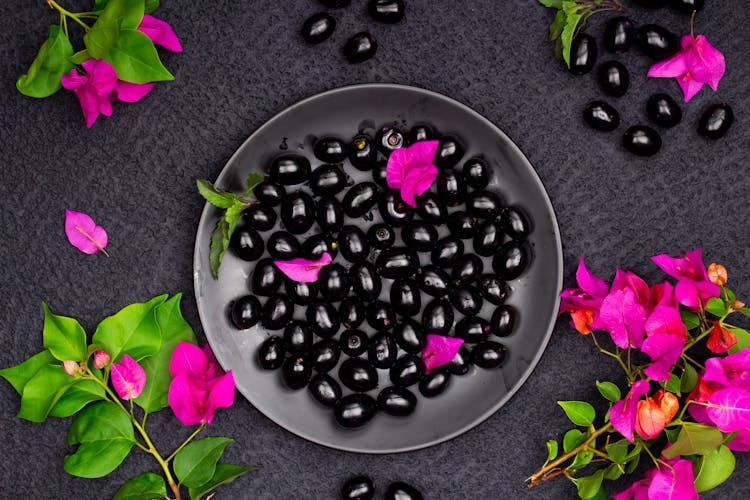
190, 438
67, 13
611, 355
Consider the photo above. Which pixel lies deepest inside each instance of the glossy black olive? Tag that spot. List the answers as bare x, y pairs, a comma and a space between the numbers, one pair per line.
283, 246
397, 401
420, 236
583, 54
493, 288
657, 42
449, 153
269, 194
289, 169
489, 237
358, 488
477, 173
473, 329
325, 355
397, 262
318, 27
462, 225
431, 208
382, 351
266, 278
354, 342
358, 375
260, 217
406, 298
619, 34
245, 312
433, 280
381, 236
334, 282
467, 301
420, 132
663, 110
271, 353
408, 335
447, 251
642, 140
329, 214
351, 312
380, 315
277, 312
437, 317
389, 139
324, 389
247, 244
435, 383
393, 209
360, 47
362, 153
614, 78
488, 354
516, 223
330, 150
387, 11
366, 283
296, 372
652, 4
407, 370
323, 319
467, 269
484, 204
298, 337
399, 490
335, 3
353, 244
327, 180
601, 116
354, 410
360, 199
716, 121
380, 174
316, 245
503, 320
511, 260
688, 6
298, 212
451, 187
461, 364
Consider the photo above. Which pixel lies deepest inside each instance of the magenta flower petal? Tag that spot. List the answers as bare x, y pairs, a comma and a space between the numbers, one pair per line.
221, 395
128, 378
637, 491
83, 233
303, 270
624, 318
675, 483
73, 80
417, 181
624, 412
589, 283
690, 86
715, 372
398, 165
662, 294
131, 92
709, 64
673, 67
181, 399
440, 351
664, 351
411, 169
729, 409
741, 441
666, 320
189, 359
160, 32
626, 279
102, 76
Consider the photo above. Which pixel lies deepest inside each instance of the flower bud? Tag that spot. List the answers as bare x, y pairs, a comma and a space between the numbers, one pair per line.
668, 403
101, 359
71, 368
738, 305
717, 274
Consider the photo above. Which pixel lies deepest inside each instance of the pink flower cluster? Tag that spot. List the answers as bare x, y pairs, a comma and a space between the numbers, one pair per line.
411, 170
672, 480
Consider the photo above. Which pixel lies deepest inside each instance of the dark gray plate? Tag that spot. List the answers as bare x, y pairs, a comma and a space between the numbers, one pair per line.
470, 399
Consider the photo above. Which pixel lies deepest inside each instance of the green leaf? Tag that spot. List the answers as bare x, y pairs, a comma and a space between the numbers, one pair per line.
105, 32
556, 28
745, 311
99, 4
689, 378
729, 296
253, 179
716, 306
579, 412
609, 390
567, 35
551, 450
695, 439
133, 331
174, 329
135, 59
81, 393
690, 319
64, 337
215, 196
582, 459
80, 57
148, 486
105, 435
219, 245
632, 464
553, 4
589, 486
573, 438
151, 5
224, 474
42, 391
712, 469
673, 384
672, 433
43, 77
195, 464
743, 340
613, 472
19, 375
617, 451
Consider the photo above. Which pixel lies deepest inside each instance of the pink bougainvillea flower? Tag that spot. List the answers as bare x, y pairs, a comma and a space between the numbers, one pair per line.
655, 413
128, 378
411, 170
700, 394
741, 441
665, 320
623, 413
624, 317
662, 294
440, 351
583, 303
720, 340
199, 385
730, 371
160, 32
84, 234
664, 351
729, 409
101, 359
693, 286
673, 481
303, 270
638, 490
696, 64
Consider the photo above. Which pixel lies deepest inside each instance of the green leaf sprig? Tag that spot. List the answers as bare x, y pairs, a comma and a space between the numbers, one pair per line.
232, 205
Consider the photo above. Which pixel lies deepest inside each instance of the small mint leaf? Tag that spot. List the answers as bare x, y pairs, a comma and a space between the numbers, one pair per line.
215, 196
253, 179
219, 244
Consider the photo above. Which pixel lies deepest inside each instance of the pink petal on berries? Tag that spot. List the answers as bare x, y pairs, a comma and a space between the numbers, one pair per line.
729, 409
741, 441
160, 32
131, 92
664, 351
189, 359
440, 351
181, 399
674, 483
673, 67
423, 152
128, 378
624, 318
666, 320
397, 167
589, 283
624, 412
83, 233
708, 64
303, 270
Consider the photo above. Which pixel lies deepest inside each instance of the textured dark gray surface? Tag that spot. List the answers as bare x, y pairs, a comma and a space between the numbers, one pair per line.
243, 62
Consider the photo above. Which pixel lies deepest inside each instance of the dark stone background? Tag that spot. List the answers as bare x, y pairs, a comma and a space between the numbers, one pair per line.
243, 62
